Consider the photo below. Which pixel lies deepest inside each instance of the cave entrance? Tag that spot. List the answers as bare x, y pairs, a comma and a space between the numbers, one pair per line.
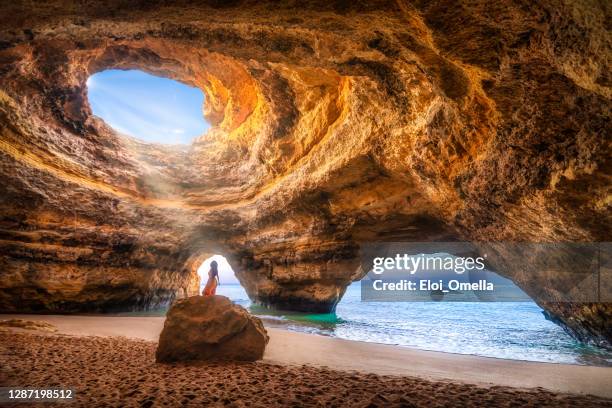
229, 285
147, 107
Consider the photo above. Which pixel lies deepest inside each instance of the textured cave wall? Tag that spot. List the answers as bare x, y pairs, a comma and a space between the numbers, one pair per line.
335, 123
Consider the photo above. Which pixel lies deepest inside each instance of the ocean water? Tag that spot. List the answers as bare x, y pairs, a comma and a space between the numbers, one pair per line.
510, 330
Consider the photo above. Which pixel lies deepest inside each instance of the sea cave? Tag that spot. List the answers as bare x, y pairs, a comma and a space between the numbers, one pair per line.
348, 123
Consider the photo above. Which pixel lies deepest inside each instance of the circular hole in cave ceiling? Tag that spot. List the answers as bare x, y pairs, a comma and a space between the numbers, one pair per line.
146, 107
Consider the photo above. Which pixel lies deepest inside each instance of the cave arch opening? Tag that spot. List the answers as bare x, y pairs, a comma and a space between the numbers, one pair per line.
229, 285
147, 107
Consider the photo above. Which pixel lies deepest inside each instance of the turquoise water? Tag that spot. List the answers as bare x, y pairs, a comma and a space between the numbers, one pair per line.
515, 330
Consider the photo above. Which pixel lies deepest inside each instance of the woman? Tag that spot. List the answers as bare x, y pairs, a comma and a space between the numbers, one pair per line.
213, 280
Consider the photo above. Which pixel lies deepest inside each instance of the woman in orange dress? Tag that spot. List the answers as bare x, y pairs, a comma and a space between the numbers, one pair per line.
213, 280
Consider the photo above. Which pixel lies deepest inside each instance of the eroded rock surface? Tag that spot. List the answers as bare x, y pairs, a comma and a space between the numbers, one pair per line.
28, 325
334, 123
202, 328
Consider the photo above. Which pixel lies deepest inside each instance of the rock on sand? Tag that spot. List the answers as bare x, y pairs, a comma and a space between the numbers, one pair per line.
210, 328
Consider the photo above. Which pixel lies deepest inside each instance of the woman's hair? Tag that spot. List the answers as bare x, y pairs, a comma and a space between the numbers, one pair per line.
213, 266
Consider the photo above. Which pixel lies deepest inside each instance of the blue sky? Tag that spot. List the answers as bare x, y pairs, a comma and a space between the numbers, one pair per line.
147, 107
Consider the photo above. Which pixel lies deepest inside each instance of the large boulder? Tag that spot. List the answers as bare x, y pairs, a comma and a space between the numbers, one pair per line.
210, 328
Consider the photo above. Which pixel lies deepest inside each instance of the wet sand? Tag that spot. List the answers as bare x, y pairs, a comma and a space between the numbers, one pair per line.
115, 371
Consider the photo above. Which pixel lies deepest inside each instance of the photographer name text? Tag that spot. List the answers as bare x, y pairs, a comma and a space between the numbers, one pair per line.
430, 285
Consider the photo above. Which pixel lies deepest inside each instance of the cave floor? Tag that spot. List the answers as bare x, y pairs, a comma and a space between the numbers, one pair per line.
116, 371
28, 358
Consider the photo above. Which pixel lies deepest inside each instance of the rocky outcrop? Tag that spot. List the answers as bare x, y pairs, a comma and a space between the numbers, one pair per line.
202, 328
27, 325
333, 125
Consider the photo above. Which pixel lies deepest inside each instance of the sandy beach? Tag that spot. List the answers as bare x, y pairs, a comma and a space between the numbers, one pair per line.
110, 361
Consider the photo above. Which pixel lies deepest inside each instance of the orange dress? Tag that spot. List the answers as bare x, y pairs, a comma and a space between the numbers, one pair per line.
211, 285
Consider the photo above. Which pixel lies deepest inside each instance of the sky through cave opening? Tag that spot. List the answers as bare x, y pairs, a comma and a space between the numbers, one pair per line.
226, 273
147, 107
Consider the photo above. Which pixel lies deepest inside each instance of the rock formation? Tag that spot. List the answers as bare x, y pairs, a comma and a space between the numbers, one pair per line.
210, 328
334, 123
27, 325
